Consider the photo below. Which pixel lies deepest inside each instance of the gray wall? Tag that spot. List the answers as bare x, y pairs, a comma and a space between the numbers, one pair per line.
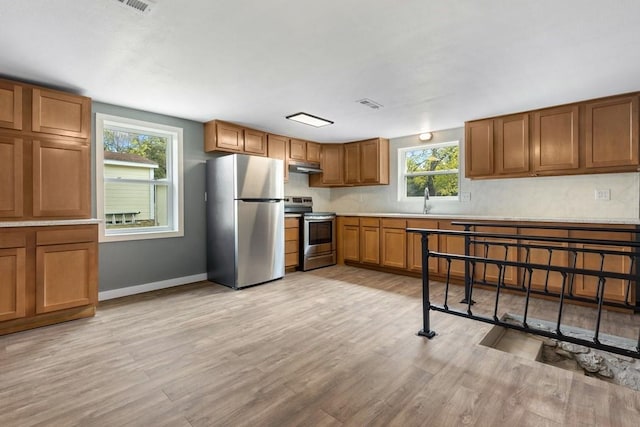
137, 262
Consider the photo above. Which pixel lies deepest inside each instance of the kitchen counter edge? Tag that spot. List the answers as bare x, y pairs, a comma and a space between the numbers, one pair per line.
626, 221
47, 222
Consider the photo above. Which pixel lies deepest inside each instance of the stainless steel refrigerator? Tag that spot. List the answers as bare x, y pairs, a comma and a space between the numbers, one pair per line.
245, 220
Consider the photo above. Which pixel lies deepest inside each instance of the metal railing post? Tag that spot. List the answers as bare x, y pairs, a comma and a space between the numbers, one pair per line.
426, 304
468, 277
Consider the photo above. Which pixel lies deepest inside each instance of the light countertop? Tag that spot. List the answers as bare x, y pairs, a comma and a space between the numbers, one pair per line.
47, 222
628, 221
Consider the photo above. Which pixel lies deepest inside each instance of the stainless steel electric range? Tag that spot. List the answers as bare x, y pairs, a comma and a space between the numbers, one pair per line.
317, 233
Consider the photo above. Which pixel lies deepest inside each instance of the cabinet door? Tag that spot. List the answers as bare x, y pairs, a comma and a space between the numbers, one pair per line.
10, 105
352, 163
512, 144
277, 149
479, 148
61, 114
297, 150
11, 177
332, 164
611, 137
313, 152
374, 161
452, 245
414, 245
614, 289
66, 276
558, 258
61, 186
229, 137
394, 247
556, 139
351, 242
490, 272
370, 241
255, 142
12, 283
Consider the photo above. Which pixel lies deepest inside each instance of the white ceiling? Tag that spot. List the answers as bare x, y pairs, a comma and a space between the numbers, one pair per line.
431, 64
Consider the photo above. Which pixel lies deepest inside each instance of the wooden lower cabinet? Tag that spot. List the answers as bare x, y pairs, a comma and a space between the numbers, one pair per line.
452, 245
370, 241
47, 275
393, 240
614, 289
349, 241
557, 258
291, 243
12, 283
489, 272
414, 245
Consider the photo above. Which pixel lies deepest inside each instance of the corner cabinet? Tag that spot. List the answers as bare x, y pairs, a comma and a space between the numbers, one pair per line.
64, 282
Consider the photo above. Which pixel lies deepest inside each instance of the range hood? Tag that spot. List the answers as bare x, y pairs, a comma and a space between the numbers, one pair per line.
296, 166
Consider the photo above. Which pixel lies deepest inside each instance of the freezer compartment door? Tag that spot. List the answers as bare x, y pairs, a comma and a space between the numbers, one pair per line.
259, 177
260, 243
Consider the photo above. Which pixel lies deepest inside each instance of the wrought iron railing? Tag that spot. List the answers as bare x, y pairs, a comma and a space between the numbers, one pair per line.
479, 245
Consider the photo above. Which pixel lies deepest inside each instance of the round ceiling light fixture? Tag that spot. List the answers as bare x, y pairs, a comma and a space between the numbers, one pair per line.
427, 136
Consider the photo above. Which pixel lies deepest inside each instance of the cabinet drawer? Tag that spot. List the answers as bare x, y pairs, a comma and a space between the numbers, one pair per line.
349, 220
369, 222
291, 246
291, 259
62, 236
291, 223
394, 223
291, 234
12, 239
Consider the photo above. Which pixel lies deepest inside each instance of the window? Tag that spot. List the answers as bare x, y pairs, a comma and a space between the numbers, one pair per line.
138, 179
434, 166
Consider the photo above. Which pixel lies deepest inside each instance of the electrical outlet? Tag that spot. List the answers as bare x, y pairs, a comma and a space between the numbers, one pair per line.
465, 197
603, 194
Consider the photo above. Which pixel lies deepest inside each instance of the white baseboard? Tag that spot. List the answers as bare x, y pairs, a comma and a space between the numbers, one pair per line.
154, 286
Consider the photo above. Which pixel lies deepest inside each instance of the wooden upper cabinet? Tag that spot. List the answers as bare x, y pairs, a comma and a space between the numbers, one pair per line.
255, 142
479, 148
331, 162
277, 149
11, 177
611, 134
374, 161
313, 152
297, 150
223, 136
556, 139
61, 184
352, 163
61, 114
10, 105
512, 144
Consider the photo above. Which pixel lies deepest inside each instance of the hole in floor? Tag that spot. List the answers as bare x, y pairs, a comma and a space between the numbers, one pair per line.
614, 368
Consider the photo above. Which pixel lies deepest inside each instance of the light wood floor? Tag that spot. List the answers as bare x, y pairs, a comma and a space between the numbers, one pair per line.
332, 347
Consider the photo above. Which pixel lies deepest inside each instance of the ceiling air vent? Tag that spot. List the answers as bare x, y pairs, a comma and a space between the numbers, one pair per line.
369, 103
140, 6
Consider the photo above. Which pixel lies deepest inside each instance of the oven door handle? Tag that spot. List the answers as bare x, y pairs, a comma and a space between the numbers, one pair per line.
319, 218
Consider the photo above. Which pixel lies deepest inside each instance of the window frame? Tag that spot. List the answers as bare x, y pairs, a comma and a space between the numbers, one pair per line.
174, 180
403, 175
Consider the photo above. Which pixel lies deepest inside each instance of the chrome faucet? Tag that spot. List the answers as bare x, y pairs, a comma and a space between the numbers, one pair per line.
426, 205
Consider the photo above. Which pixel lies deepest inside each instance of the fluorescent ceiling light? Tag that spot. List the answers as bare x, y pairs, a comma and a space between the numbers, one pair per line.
308, 119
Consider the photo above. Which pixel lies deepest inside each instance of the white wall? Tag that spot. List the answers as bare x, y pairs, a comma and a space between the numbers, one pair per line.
570, 197
298, 185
